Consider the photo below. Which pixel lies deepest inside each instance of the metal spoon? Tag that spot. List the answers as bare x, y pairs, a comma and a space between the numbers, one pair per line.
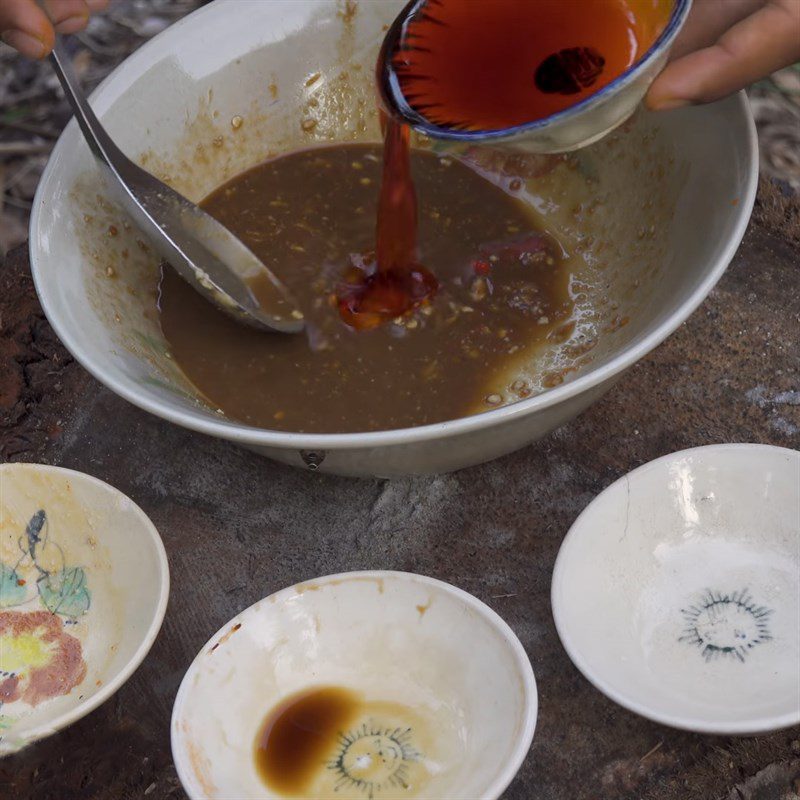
203, 252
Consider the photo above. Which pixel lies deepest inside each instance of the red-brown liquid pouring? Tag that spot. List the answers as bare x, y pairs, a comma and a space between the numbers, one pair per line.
392, 283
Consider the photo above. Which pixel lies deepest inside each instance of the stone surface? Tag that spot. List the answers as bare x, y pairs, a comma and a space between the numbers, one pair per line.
238, 527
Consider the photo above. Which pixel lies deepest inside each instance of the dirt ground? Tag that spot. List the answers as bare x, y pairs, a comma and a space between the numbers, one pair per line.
33, 110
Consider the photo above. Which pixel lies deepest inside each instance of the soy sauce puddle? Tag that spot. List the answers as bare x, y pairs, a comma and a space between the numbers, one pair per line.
329, 739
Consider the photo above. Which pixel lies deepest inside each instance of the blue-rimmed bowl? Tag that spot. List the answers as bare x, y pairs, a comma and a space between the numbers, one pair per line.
578, 125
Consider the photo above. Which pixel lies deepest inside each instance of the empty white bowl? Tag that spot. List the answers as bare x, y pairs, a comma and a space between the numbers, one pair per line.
83, 590
677, 591
446, 658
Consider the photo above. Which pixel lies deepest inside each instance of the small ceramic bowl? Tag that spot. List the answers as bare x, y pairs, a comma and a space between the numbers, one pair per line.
578, 125
83, 590
676, 592
448, 692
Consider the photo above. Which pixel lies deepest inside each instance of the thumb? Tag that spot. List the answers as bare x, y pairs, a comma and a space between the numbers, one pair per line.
752, 49
26, 28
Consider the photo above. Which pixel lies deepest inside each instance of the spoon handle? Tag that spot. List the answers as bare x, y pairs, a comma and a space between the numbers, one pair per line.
100, 143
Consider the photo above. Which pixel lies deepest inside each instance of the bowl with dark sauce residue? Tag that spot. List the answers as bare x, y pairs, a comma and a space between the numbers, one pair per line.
364, 684
554, 274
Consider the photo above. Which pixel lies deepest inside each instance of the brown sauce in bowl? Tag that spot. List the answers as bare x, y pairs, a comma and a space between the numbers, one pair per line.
503, 285
329, 741
298, 737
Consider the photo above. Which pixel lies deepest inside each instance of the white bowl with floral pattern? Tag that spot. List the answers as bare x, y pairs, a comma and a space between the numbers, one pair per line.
83, 590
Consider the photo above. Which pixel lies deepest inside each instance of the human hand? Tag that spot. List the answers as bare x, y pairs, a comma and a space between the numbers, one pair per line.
725, 46
31, 28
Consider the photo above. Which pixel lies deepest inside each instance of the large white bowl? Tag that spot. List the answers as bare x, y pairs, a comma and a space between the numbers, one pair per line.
665, 201
464, 685
677, 590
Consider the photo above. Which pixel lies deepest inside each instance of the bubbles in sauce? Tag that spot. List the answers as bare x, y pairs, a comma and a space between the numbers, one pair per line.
330, 740
503, 285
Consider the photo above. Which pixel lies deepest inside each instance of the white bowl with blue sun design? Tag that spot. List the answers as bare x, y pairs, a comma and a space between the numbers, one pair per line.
83, 590
677, 590
382, 685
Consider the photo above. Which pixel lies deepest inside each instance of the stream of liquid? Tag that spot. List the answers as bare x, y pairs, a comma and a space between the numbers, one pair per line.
394, 282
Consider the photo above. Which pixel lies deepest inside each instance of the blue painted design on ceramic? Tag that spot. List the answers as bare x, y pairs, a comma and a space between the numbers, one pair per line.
372, 758
726, 625
12, 587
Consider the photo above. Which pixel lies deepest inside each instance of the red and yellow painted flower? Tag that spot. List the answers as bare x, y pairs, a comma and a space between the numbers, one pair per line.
38, 659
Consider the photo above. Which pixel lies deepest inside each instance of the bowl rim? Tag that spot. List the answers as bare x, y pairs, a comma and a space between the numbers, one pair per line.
111, 686
510, 639
201, 421
753, 726
677, 17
